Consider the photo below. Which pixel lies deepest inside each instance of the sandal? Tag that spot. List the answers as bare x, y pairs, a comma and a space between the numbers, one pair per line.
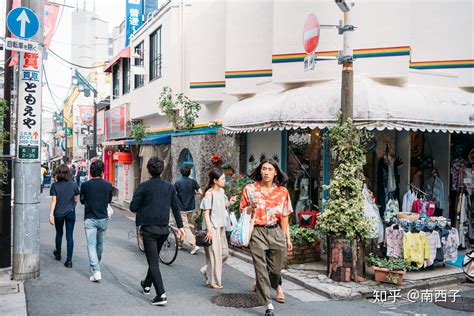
216, 287
280, 296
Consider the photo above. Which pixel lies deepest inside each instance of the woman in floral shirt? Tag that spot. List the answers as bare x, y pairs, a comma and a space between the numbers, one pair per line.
269, 202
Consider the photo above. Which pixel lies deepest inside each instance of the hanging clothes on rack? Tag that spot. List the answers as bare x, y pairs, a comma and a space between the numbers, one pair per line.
461, 209
408, 199
372, 212
451, 244
434, 243
434, 187
415, 248
388, 179
394, 241
456, 166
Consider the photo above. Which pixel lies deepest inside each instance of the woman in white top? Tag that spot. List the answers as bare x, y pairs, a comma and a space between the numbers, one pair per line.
216, 218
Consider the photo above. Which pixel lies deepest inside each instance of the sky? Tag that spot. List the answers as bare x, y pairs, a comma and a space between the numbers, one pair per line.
58, 73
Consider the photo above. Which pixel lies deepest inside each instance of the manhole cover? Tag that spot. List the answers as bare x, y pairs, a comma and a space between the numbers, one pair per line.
461, 304
239, 300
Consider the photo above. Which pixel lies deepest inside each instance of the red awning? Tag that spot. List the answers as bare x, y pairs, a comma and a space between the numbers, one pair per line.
124, 53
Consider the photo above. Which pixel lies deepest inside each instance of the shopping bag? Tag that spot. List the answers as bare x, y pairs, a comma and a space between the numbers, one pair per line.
110, 211
232, 222
468, 265
240, 236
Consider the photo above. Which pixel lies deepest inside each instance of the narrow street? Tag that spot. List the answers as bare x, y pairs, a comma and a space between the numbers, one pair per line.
60, 290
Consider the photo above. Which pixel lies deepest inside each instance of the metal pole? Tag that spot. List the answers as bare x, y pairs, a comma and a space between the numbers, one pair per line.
65, 138
347, 72
6, 184
94, 143
26, 224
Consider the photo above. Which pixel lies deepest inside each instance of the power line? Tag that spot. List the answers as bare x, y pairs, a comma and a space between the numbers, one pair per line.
50, 91
73, 64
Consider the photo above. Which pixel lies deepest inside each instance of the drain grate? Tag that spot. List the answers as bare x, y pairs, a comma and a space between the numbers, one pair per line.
465, 304
238, 300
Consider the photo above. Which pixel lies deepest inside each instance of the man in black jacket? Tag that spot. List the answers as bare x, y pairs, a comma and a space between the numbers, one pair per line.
152, 201
96, 194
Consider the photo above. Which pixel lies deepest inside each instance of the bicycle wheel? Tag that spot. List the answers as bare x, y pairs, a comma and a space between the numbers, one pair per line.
140, 240
169, 251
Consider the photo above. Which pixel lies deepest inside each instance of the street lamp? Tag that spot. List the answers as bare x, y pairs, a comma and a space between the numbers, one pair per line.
346, 59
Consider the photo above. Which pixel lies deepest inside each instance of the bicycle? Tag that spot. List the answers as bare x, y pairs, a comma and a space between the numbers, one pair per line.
169, 251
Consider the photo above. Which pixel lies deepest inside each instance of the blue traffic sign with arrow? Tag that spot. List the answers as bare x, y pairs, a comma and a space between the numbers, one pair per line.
22, 22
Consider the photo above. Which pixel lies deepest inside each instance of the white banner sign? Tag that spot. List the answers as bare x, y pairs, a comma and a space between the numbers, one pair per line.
20, 45
29, 107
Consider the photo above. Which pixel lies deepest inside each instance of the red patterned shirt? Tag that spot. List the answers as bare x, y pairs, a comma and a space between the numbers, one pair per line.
269, 209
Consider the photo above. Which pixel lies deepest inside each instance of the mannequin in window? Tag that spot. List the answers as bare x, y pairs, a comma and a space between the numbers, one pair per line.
388, 178
434, 187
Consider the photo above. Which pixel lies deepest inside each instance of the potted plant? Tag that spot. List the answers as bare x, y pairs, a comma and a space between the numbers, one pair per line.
343, 220
306, 245
179, 109
389, 270
217, 161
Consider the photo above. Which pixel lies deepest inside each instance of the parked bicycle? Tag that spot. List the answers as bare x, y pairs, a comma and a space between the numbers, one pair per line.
169, 251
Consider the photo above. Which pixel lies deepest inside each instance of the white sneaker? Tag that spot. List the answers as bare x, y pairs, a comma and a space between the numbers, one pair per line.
195, 249
204, 272
95, 277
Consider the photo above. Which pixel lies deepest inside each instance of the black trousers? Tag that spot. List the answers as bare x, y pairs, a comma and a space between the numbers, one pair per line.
153, 244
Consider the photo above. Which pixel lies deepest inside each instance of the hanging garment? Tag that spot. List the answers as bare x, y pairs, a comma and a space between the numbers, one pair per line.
451, 244
408, 200
383, 180
394, 241
456, 166
461, 209
415, 248
371, 211
434, 243
435, 189
443, 235
391, 210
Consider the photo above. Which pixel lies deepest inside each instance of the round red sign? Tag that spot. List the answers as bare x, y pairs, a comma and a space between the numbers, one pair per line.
311, 33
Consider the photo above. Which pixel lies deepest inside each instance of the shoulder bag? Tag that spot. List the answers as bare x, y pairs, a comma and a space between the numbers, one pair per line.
201, 234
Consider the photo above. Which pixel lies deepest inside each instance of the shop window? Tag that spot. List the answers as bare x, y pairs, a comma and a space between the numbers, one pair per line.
186, 159
303, 169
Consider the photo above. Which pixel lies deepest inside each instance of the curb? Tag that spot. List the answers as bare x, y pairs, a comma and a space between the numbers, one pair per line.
357, 295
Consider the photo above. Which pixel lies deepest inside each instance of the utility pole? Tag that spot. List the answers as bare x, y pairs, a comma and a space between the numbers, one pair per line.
26, 232
347, 87
6, 183
65, 137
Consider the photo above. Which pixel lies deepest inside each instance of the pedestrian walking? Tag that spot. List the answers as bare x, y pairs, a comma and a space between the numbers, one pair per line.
216, 218
96, 194
186, 189
152, 201
64, 197
269, 202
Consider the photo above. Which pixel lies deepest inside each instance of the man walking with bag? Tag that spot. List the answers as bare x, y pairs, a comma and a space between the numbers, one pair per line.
96, 194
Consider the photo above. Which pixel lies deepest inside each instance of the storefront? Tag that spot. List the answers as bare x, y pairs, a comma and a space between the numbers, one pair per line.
416, 124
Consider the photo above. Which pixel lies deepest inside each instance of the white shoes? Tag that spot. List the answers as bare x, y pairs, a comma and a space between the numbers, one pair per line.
195, 249
96, 277
204, 271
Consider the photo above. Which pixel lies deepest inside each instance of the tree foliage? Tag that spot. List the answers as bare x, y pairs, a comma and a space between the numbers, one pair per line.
179, 109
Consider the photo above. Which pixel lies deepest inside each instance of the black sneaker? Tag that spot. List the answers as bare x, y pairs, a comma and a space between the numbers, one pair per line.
159, 301
57, 255
68, 264
269, 312
146, 289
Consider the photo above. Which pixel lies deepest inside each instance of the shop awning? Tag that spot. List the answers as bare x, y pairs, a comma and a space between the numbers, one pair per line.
376, 106
152, 140
124, 53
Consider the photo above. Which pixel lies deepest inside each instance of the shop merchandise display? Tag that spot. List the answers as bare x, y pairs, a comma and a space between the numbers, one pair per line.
434, 187
372, 212
388, 180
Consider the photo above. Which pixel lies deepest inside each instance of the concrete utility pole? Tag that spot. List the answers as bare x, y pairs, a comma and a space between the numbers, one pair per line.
347, 93
6, 183
26, 232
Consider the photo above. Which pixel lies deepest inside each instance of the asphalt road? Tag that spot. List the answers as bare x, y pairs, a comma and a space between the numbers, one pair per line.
60, 290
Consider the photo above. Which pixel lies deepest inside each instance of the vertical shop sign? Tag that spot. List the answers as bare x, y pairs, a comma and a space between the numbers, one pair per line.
29, 107
134, 18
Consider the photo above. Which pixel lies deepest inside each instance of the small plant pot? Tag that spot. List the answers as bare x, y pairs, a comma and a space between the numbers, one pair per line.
388, 276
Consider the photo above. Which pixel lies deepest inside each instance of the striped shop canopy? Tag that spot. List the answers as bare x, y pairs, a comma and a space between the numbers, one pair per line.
377, 106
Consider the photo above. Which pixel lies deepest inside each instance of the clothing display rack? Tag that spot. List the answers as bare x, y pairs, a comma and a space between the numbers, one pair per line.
412, 187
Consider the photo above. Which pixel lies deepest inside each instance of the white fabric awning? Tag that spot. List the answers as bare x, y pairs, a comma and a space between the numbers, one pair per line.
376, 106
